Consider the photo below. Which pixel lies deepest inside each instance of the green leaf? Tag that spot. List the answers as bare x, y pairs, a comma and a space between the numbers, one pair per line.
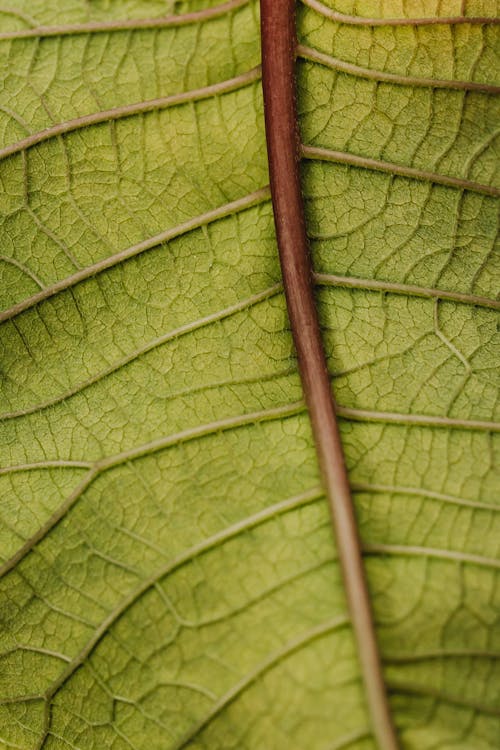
169, 572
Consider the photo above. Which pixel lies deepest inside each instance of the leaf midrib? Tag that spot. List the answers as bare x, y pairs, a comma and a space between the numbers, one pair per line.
279, 45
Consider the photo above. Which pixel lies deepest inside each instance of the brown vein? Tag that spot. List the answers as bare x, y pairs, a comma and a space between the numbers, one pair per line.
334, 15
248, 201
128, 110
162, 22
365, 162
308, 53
278, 80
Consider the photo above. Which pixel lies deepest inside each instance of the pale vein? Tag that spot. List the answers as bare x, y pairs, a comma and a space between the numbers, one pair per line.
365, 162
150, 346
93, 27
192, 553
128, 110
424, 493
272, 661
308, 53
139, 451
369, 415
440, 554
364, 21
221, 212
332, 280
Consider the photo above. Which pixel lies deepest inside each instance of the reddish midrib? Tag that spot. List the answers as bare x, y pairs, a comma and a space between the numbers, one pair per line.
283, 145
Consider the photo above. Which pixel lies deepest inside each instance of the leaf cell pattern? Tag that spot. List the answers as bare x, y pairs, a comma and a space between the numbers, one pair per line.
169, 578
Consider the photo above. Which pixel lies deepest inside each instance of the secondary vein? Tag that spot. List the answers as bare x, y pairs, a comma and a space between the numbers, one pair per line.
365, 162
176, 333
214, 214
271, 662
381, 76
135, 24
99, 467
334, 15
412, 290
280, 508
127, 110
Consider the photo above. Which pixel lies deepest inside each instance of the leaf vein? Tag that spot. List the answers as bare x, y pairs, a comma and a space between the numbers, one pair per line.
221, 212
365, 162
326, 279
93, 27
150, 346
128, 110
316, 56
429, 21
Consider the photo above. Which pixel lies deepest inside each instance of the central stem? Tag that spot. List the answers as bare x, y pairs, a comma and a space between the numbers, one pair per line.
283, 146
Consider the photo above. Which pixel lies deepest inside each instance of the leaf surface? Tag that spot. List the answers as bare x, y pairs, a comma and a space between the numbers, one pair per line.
169, 575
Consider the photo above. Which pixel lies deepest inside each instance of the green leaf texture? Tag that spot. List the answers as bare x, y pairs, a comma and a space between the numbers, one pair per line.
170, 577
